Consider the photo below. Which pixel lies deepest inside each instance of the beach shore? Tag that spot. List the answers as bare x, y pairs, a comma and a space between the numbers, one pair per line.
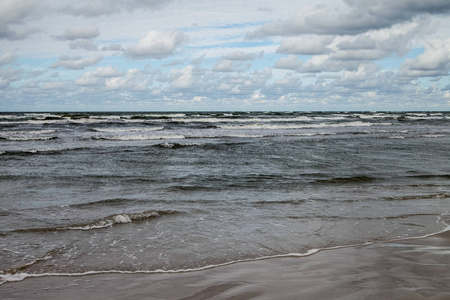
407, 269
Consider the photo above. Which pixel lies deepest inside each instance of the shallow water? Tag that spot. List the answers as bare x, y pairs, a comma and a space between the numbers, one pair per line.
91, 192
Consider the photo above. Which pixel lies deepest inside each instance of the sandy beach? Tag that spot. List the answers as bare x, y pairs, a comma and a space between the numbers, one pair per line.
407, 269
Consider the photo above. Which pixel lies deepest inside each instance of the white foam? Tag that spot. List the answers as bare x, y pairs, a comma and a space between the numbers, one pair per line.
172, 145
21, 276
122, 219
139, 137
240, 120
9, 133
433, 135
301, 126
124, 130
29, 138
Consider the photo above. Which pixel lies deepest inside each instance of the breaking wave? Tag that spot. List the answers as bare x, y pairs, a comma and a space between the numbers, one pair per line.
105, 222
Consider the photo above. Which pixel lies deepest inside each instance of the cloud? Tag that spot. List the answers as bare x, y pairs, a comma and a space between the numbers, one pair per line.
80, 32
134, 80
198, 60
15, 12
358, 16
98, 77
91, 9
9, 75
223, 65
76, 62
7, 58
323, 63
240, 55
108, 72
83, 44
290, 62
435, 61
88, 79
333, 54
114, 47
184, 78
156, 44
361, 42
306, 45
81, 37
288, 80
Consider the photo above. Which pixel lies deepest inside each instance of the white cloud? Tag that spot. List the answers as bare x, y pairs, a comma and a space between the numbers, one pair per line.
290, 62
80, 32
9, 75
76, 63
7, 58
134, 79
306, 45
240, 55
435, 61
108, 72
89, 79
223, 65
157, 44
114, 47
184, 78
56, 85
288, 80
98, 77
344, 41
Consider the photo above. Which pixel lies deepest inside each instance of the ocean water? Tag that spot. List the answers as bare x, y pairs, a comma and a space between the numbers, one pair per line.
84, 193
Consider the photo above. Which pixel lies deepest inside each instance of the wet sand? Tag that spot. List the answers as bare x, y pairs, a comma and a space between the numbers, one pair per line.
407, 269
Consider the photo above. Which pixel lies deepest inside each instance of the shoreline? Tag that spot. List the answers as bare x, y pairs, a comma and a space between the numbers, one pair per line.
411, 268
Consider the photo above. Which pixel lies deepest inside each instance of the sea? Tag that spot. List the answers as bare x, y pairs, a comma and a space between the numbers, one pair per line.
143, 192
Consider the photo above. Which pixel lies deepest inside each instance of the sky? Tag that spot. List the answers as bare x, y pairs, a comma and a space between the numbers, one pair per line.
233, 55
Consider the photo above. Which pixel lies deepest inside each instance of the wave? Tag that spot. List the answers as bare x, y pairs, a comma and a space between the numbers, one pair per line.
18, 274
176, 145
430, 176
104, 222
301, 126
39, 151
15, 133
125, 130
240, 119
29, 138
416, 197
139, 137
102, 203
352, 179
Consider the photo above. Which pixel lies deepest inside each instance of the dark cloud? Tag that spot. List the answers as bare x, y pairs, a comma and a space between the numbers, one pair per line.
97, 8
356, 18
13, 13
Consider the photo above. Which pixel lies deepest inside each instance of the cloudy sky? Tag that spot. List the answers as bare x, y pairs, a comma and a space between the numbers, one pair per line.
175, 55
